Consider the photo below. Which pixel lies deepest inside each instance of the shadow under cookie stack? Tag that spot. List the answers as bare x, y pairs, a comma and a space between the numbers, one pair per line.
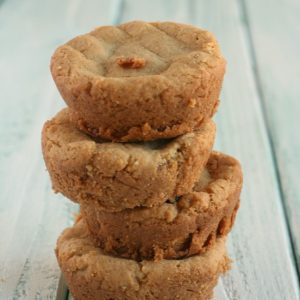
134, 149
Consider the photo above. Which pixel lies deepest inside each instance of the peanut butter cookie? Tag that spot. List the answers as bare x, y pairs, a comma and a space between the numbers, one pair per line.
90, 274
116, 176
140, 81
183, 226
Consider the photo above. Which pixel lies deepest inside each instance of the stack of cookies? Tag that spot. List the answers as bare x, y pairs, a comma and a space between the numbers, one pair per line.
134, 149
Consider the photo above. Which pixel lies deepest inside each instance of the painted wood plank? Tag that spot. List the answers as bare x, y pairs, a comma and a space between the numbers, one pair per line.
276, 47
31, 216
259, 243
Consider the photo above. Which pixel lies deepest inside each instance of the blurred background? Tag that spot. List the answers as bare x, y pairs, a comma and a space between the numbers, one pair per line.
257, 121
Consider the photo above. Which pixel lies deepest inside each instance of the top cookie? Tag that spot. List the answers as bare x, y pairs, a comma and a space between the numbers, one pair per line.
140, 81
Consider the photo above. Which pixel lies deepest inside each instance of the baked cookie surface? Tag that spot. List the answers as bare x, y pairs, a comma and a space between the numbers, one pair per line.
186, 226
90, 274
140, 81
122, 175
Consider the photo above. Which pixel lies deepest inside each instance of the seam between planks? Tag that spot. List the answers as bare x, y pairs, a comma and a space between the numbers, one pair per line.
117, 11
258, 85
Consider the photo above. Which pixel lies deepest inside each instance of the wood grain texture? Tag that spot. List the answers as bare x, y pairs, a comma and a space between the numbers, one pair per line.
32, 216
277, 68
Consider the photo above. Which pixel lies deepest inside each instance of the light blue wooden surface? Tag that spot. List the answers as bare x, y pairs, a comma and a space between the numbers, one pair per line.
257, 122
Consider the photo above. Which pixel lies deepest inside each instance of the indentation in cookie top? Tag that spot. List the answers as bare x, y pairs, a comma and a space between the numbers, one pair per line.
156, 144
131, 62
139, 48
149, 145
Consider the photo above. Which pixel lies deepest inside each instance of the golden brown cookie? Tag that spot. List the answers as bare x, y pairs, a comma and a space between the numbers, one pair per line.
123, 175
90, 274
188, 225
140, 81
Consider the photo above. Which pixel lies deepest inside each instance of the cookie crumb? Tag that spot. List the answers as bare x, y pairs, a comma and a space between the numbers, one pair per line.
89, 169
131, 62
192, 102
